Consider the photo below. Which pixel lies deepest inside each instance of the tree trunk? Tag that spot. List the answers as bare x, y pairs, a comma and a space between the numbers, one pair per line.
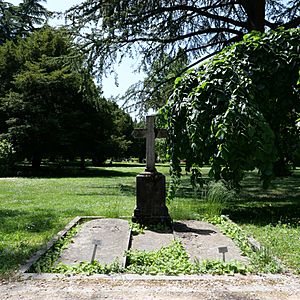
255, 10
82, 162
281, 168
36, 162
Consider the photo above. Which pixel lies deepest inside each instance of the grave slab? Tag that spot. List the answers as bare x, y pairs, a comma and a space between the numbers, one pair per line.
203, 240
104, 240
151, 240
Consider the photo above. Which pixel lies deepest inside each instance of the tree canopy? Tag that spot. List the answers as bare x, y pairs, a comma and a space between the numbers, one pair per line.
152, 29
20, 20
49, 104
240, 110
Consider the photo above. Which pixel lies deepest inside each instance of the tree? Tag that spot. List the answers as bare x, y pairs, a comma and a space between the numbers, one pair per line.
118, 144
22, 19
122, 138
239, 111
49, 103
152, 29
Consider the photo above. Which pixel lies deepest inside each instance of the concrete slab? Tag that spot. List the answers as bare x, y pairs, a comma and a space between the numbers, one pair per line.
104, 240
202, 240
151, 240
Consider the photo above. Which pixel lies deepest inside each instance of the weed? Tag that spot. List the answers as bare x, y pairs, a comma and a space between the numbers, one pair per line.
170, 260
46, 262
136, 228
261, 261
88, 268
217, 267
217, 197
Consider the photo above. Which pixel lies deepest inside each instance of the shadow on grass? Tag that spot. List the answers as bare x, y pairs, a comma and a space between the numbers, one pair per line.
265, 214
188, 192
116, 190
280, 202
37, 221
71, 172
22, 234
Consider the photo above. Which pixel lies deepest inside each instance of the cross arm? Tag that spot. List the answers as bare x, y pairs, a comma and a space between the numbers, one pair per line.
139, 133
161, 133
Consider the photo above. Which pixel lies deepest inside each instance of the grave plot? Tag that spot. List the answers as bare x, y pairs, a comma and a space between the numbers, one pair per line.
203, 240
102, 240
106, 242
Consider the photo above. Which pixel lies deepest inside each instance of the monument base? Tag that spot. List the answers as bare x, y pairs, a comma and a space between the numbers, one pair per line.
151, 206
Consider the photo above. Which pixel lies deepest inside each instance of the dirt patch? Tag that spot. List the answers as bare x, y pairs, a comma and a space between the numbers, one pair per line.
200, 287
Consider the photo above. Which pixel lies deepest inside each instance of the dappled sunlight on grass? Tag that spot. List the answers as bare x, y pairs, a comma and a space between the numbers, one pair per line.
272, 216
34, 209
183, 209
280, 202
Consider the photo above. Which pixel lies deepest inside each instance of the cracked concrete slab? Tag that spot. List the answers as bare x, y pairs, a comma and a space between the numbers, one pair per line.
202, 240
151, 240
104, 240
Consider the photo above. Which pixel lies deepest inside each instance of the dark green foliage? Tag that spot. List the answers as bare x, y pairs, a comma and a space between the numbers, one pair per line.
20, 20
239, 110
153, 29
50, 105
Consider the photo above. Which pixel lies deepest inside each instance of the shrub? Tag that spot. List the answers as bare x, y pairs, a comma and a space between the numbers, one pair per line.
6, 157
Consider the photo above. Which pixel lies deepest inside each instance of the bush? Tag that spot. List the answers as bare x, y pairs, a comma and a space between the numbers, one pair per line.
6, 157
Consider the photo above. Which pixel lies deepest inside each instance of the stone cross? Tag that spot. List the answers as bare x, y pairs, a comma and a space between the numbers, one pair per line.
150, 133
151, 206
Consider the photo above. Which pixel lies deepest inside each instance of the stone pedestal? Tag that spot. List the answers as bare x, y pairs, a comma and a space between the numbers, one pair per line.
151, 206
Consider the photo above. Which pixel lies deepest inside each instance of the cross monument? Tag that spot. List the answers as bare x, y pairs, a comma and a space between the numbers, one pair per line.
151, 206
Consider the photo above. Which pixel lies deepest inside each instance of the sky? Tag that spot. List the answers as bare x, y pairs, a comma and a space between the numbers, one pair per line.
125, 74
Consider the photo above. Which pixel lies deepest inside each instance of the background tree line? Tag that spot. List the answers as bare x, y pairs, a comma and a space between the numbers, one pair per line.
50, 107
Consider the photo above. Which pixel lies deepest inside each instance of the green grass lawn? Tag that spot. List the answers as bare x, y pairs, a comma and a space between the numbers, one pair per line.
272, 216
33, 210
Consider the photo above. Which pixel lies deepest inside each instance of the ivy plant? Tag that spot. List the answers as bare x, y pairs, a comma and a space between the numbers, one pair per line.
169, 260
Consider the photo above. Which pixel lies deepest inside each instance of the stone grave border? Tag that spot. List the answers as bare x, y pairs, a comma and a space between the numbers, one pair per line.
77, 220
61, 234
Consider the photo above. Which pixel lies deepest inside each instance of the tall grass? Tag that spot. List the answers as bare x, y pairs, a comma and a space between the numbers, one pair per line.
217, 198
282, 239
